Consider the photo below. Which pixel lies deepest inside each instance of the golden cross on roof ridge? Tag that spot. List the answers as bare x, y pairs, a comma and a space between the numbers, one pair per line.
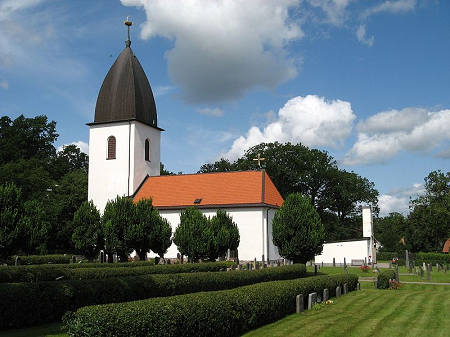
259, 159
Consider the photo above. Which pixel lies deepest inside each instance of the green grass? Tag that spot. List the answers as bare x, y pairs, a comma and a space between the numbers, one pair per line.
414, 310
49, 330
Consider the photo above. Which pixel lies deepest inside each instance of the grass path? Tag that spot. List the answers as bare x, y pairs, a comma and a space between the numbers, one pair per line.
414, 310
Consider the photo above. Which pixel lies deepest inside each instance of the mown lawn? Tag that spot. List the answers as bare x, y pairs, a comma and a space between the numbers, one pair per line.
413, 310
50, 330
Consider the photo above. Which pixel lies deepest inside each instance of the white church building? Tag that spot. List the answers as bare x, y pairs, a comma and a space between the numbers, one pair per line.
124, 160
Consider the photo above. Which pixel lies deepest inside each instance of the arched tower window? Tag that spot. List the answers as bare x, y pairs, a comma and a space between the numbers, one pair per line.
111, 147
147, 150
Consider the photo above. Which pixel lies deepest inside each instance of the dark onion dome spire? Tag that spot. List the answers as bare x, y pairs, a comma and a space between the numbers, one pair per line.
126, 93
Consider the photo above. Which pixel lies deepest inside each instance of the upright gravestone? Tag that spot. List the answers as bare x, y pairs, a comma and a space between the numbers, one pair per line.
421, 272
249, 266
438, 267
312, 298
239, 266
424, 266
102, 257
278, 263
74, 259
345, 263
429, 272
410, 268
228, 254
345, 289
365, 261
390, 264
18, 261
397, 279
406, 259
334, 262
315, 269
255, 263
326, 295
338, 291
358, 286
300, 304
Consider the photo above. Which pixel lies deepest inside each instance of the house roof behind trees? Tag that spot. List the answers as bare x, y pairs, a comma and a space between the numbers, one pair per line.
211, 190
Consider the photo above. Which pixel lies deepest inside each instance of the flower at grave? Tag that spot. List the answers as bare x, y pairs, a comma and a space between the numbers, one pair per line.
365, 269
329, 302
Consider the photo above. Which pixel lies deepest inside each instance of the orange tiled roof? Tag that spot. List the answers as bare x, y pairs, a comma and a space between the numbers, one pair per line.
214, 189
446, 246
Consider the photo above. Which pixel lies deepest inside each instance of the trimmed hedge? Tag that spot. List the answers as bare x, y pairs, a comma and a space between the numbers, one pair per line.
41, 259
36, 303
220, 313
432, 258
388, 256
384, 277
52, 273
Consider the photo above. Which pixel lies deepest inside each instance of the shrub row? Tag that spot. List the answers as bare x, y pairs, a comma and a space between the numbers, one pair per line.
384, 277
388, 256
432, 258
46, 273
40, 259
220, 313
35, 303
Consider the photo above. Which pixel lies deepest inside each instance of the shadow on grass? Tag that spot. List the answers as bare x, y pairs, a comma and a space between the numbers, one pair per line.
49, 330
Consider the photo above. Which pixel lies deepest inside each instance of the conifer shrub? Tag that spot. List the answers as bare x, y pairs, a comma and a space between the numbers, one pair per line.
41, 302
384, 277
101, 270
218, 313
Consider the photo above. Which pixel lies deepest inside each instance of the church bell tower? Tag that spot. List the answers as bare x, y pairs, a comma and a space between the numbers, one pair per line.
124, 139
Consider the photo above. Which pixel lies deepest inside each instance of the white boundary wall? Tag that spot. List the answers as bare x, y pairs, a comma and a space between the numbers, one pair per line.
252, 224
351, 250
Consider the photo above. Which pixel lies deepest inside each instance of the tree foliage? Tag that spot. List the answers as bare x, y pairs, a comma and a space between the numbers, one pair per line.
87, 233
297, 230
225, 235
428, 223
389, 231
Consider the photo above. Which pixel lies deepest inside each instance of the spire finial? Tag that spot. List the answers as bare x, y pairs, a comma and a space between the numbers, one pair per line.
128, 24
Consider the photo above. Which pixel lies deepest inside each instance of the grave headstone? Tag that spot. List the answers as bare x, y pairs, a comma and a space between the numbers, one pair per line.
255, 263
249, 266
345, 263
300, 304
18, 261
397, 279
312, 298
74, 259
424, 266
390, 264
410, 268
406, 259
429, 272
375, 283
334, 262
358, 286
365, 261
421, 272
228, 254
338, 291
438, 267
102, 257
326, 295
345, 289
315, 269
278, 263
239, 266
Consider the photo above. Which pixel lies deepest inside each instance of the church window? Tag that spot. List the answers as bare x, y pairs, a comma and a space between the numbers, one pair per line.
147, 150
111, 147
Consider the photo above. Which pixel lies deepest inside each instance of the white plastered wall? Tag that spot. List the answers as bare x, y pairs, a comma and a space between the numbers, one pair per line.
252, 226
123, 175
351, 250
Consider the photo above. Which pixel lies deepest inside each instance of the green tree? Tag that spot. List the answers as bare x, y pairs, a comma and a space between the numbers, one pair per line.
119, 214
69, 159
36, 230
193, 235
297, 230
11, 213
389, 231
161, 236
225, 235
428, 223
87, 234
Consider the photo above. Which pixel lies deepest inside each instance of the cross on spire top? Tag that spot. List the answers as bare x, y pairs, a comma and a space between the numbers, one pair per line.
259, 159
128, 24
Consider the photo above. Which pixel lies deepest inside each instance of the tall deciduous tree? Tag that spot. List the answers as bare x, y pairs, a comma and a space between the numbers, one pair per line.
297, 230
119, 214
11, 213
87, 235
161, 236
429, 221
225, 234
193, 235
389, 231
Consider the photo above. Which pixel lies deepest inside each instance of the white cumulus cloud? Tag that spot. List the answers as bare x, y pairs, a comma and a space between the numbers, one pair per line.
384, 135
398, 200
310, 120
361, 36
223, 49
211, 112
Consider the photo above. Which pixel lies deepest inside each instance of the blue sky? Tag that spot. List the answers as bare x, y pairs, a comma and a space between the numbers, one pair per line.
367, 81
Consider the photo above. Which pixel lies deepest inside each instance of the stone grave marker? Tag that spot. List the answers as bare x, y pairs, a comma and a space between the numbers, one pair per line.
249, 266
239, 266
345, 289
338, 291
407, 259
345, 263
74, 259
358, 286
18, 261
326, 295
315, 269
429, 272
410, 268
255, 263
334, 262
397, 278
300, 304
312, 298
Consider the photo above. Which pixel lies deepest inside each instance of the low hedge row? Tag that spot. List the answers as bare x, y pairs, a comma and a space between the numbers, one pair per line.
36, 303
220, 313
41, 259
432, 258
46, 273
388, 256
384, 277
